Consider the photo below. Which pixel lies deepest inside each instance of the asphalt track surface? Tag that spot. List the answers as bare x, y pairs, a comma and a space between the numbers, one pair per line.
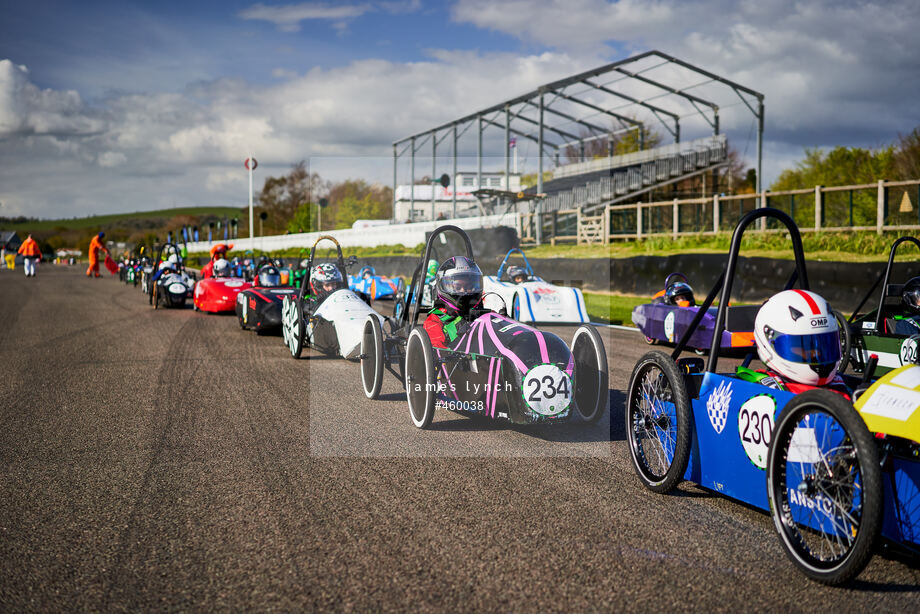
167, 460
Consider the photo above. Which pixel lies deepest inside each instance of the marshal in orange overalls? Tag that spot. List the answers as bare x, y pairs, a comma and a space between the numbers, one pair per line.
95, 246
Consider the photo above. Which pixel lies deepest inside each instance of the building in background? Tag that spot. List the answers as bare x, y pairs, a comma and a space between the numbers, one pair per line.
443, 205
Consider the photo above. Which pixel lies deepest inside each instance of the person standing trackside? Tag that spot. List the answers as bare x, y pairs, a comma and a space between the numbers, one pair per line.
31, 254
96, 246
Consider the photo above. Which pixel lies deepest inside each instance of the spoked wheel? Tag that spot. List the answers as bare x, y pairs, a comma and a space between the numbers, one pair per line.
658, 422
591, 377
516, 307
372, 357
292, 325
846, 341
824, 484
421, 378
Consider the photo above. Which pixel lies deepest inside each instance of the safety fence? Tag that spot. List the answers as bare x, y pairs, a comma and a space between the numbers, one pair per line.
881, 206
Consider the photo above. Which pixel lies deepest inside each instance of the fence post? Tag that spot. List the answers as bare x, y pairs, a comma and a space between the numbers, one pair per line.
607, 220
638, 221
715, 213
675, 219
819, 207
880, 207
763, 205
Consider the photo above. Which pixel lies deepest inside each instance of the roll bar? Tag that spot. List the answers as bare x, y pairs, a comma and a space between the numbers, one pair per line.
501, 267
340, 263
415, 289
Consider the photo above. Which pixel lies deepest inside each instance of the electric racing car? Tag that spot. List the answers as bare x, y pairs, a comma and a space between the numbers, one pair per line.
325, 314
170, 284
809, 459
892, 330
375, 286
671, 311
217, 294
259, 308
530, 298
496, 368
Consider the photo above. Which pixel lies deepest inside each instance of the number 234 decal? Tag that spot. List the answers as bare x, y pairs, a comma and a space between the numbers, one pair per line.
547, 390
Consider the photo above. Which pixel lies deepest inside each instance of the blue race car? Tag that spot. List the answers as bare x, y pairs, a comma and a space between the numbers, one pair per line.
375, 286
835, 476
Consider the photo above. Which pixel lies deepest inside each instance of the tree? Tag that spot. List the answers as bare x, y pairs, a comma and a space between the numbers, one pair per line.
355, 199
282, 197
303, 220
907, 156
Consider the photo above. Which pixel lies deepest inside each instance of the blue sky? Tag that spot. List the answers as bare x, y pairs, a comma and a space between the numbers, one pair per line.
112, 106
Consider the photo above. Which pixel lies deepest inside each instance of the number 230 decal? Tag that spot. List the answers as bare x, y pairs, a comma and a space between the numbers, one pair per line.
755, 427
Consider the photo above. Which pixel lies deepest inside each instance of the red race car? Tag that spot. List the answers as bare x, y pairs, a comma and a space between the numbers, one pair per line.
218, 294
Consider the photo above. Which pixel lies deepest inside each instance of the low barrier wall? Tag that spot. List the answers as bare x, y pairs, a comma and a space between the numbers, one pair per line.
843, 284
395, 234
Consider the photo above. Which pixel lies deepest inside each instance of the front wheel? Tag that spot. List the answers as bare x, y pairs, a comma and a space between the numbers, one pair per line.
591, 377
292, 325
658, 422
516, 307
372, 357
421, 378
824, 484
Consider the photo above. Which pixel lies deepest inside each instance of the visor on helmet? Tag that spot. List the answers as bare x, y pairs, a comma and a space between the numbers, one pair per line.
815, 350
460, 283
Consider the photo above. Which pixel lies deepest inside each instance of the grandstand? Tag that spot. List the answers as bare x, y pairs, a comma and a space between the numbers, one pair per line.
636, 94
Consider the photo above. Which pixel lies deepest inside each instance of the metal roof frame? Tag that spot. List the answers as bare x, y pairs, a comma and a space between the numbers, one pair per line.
514, 108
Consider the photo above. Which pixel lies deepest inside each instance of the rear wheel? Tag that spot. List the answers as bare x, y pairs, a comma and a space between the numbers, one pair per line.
421, 379
292, 325
658, 422
824, 484
846, 341
372, 357
591, 377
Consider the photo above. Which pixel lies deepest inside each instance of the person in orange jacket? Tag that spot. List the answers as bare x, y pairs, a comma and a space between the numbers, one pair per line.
31, 254
217, 252
96, 246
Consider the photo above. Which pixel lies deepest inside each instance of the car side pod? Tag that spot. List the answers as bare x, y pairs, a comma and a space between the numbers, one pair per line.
591, 376
658, 422
823, 456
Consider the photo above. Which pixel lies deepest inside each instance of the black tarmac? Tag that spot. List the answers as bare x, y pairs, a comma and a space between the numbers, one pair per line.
167, 460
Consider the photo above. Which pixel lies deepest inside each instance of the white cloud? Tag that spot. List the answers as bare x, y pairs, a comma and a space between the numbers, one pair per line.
110, 159
287, 18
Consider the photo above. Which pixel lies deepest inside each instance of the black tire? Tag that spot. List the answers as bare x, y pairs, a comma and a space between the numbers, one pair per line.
292, 327
592, 391
372, 357
658, 407
846, 341
420, 378
845, 478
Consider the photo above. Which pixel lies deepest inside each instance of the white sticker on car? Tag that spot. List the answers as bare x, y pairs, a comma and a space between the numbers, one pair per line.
547, 390
669, 326
755, 427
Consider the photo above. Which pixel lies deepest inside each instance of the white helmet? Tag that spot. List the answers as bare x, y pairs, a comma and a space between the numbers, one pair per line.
797, 336
166, 264
174, 258
221, 268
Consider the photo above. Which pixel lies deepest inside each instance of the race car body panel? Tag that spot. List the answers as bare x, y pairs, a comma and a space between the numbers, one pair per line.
535, 300
500, 368
375, 286
668, 323
342, 312
173, 289
218, 294
260, 308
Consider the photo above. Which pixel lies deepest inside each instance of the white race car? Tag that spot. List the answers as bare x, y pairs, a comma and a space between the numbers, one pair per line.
529, 298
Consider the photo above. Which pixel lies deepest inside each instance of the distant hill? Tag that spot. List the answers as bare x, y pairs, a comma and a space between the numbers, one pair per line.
124, 220
139, 227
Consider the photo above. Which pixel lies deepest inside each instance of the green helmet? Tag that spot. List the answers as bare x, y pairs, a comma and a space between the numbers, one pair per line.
432, 267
